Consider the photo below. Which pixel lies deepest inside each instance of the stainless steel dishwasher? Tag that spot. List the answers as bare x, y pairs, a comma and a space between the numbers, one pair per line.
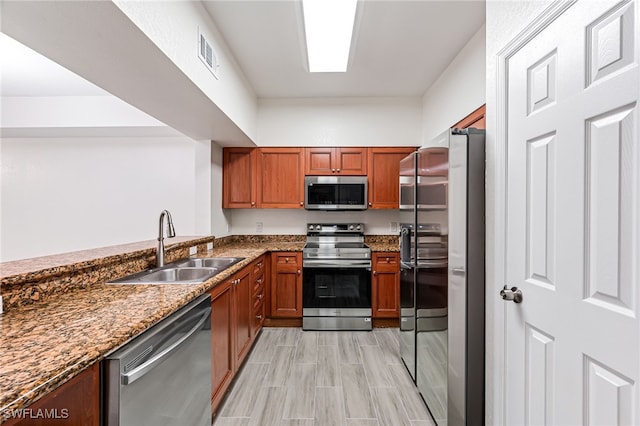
163, 376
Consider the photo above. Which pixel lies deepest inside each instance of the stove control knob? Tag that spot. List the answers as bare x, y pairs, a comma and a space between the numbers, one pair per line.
310, 227
357, 227
317, 227
350, 227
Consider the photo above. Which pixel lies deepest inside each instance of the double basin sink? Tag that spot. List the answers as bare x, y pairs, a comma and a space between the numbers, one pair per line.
184, 271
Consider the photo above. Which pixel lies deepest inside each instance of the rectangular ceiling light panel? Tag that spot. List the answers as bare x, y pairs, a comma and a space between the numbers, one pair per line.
328, 28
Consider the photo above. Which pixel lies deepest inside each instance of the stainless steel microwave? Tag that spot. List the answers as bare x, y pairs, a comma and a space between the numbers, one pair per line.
335, 192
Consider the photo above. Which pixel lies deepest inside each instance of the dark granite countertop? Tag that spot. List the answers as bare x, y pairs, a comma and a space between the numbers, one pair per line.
44, 344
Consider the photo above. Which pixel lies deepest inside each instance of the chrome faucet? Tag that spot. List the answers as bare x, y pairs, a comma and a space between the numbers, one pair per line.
171, 232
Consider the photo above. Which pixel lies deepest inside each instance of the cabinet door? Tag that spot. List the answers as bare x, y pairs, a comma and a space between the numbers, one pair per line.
475, 119
384, 176
242, 287
319, 161
222, 357
238, 178
286, 285
281, 180
76, 402
385, 291
351, 161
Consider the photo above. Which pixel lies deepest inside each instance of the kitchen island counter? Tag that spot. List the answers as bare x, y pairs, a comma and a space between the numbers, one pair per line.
46, 343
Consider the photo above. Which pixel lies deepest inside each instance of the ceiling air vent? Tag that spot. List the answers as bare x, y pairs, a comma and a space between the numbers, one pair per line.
207, 55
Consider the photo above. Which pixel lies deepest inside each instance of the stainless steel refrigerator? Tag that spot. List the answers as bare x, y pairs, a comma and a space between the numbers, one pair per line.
442, 205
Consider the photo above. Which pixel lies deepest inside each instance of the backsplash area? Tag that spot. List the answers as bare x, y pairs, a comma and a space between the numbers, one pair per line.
293, 221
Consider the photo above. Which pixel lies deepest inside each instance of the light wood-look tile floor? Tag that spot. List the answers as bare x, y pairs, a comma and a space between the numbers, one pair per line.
318, 378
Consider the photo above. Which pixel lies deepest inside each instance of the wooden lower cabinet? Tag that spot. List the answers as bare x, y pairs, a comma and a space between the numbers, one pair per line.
242, 287
258, 295
222, 357
76, 402
385, 285
286, 285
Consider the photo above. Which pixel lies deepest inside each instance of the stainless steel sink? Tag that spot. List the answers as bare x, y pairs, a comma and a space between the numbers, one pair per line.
209, 262
184, 271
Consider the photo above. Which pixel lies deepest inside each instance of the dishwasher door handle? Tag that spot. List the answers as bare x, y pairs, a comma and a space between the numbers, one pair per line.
143, 369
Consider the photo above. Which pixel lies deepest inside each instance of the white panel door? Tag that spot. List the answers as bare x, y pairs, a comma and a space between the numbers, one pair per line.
572, 351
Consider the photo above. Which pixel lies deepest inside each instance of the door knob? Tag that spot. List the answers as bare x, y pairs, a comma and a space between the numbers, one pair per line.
514, 294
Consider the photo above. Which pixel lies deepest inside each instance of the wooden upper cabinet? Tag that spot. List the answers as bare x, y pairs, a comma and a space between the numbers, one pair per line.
476, 119
239, 178
336, 161
384, 174
281, 180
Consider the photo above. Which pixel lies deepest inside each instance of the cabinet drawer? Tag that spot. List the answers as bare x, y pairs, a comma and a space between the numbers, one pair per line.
258, 284
286, 259
386, 261
258, 267
258, 297
258, 316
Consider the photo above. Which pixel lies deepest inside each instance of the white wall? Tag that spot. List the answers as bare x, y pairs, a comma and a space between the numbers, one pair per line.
173, 27
220, 218
505, 19
457, 92
293, 221
67, 194
339, 122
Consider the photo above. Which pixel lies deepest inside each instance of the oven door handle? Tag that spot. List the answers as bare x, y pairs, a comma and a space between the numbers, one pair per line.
143, 369
333, 263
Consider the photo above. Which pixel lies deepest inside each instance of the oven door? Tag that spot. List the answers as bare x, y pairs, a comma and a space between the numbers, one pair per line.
336, 291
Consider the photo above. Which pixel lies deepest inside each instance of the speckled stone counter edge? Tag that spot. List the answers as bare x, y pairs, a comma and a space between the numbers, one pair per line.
15, 396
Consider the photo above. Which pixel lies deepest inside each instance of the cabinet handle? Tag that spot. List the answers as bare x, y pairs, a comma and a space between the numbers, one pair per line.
299, 271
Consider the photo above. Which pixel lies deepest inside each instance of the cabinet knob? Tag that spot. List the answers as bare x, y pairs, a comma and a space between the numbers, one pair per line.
388, 260
259, 317
259, 280
370, 204
259, 296
375, 273
299, 271
286, 259
333, 170
253, 203
338, 170
302, 203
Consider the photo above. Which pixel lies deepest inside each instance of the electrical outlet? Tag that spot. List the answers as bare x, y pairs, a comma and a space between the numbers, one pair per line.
259, 227
209, 246
193, 250
393, 226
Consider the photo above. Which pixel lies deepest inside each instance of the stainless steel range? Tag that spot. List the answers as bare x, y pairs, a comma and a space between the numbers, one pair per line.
336, 289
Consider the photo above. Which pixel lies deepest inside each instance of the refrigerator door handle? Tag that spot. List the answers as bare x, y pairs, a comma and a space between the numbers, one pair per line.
458, 271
